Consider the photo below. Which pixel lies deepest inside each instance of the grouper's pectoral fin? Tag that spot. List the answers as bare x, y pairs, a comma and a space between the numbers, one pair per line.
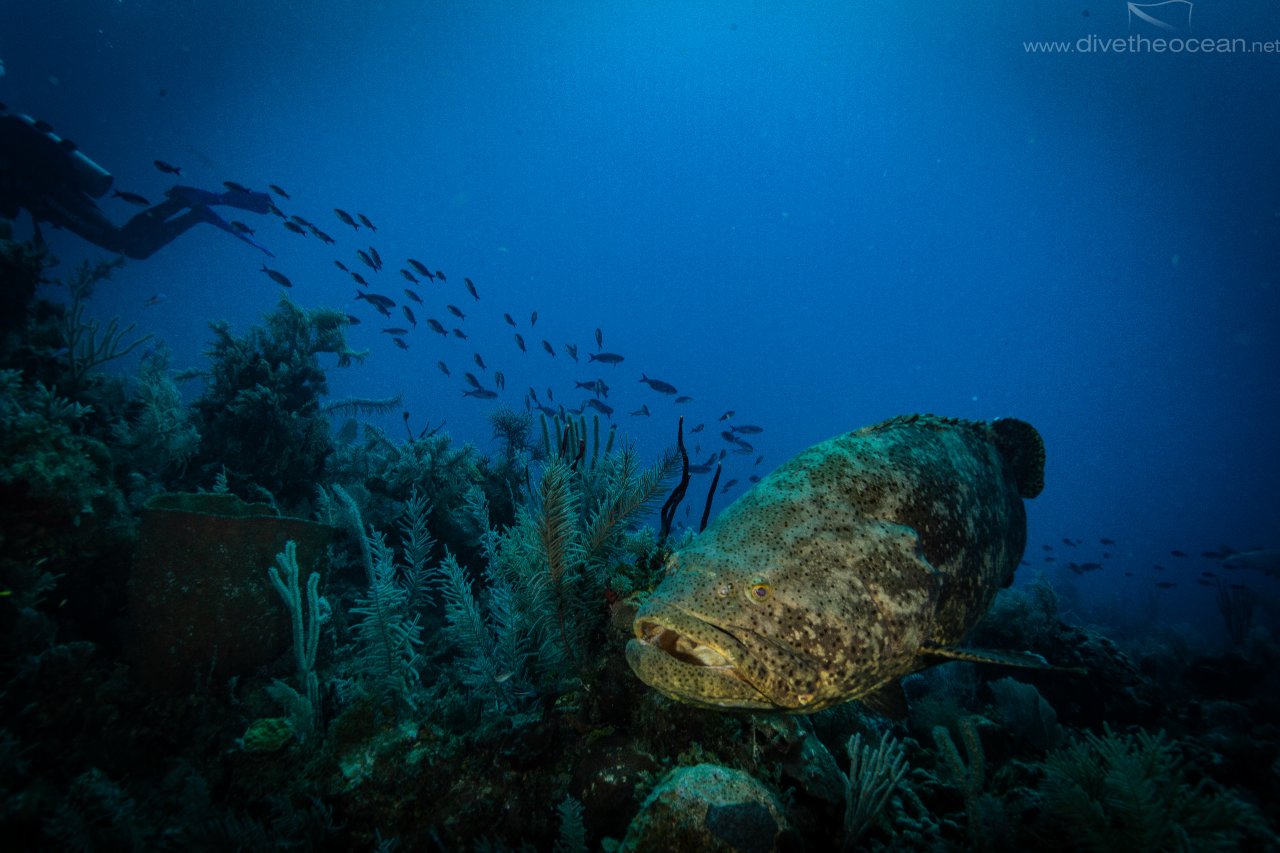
889, 701
1026, 660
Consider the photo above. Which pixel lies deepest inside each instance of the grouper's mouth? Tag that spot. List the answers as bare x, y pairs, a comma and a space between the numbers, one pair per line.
692, 661
682, 647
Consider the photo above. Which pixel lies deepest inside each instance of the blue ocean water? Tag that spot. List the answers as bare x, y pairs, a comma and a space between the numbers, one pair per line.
814, 215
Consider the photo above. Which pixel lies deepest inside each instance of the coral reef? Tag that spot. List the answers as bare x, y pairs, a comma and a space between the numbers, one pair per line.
436, 661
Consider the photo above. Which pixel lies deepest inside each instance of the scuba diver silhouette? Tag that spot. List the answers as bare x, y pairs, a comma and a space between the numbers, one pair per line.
56, 183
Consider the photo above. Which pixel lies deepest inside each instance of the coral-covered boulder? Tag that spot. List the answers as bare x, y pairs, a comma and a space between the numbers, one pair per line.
199, 596
708, 808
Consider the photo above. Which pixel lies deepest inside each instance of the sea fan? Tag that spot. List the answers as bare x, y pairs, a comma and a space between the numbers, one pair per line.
388, 635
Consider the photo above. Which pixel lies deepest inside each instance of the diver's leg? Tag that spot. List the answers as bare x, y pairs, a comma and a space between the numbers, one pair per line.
152, 229
79, 215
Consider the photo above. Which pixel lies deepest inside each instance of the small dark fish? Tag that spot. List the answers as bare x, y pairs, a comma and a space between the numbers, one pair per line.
277, 190
458, 333
520, 342
481, 394
729, 437
440, 275
400, 343
346, 217
359, 279
533, 319
546, 345
1046, 547
367, 224
322, 236
479, 361
499, 380
700, 469
572, 350
599, 339
1166, 584
377, 259
376, 299
300, 220
236, 188
1105, 541
600, 407
605, 358
415, 297
131, 198
408, 275
278, 277
434, 325
352, 319
471, 288
395, 330
1177, 553
684, 398
642, 412
550, 397
420, 267
167, 168
368, 261
533, 394
595, 386
155, 299
759, 459
471, 380
408, 315
698, 428
43, 126
295, 228
241, 227
456, 311
277, 211
507, 317
727, 486
747, 429
444, 368
658, 385
727, 415
755, 478
1158, 568
1106, 555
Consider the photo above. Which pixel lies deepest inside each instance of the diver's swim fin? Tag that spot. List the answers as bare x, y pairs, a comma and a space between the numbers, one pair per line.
212, 218
253, 202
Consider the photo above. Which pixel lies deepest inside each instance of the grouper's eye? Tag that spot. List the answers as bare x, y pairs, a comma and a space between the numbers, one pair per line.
759, 591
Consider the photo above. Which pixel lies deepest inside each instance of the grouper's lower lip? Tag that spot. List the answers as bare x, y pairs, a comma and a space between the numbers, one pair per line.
681, 647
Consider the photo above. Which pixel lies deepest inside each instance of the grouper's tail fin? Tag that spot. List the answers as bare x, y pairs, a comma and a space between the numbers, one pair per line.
1023, 450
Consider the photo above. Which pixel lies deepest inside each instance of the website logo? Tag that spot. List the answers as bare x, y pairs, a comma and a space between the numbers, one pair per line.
1169, 16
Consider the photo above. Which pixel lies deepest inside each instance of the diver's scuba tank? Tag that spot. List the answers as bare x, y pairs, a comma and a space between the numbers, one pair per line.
89, 177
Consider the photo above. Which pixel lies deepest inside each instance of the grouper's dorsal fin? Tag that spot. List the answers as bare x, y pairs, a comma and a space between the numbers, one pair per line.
1026, 660
1023, 450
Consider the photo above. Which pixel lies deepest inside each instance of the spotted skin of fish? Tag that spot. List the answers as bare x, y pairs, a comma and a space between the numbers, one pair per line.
857, 562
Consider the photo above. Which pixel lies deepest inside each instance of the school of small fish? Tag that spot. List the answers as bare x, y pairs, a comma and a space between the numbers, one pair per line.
426, 288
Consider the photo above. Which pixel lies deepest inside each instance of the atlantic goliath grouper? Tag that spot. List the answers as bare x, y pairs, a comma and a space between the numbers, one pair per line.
863, 559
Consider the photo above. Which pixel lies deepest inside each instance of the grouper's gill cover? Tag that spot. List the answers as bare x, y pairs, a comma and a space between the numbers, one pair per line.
844, 569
